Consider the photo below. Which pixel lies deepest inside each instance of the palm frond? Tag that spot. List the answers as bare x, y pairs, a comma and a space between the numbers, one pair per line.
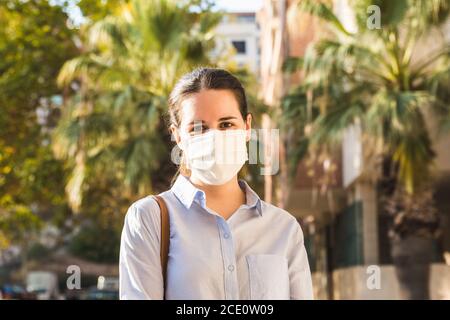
369, 77
129, 64
323, 11
292, 64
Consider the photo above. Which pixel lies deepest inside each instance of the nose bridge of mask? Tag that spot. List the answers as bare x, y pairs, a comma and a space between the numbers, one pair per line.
216, 146
230, 147
199, 150
199, 146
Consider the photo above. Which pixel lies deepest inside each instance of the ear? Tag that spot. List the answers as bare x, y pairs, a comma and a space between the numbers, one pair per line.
175, 135
248, 126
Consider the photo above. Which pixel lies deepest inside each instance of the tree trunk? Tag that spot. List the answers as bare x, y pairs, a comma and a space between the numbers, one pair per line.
412, 256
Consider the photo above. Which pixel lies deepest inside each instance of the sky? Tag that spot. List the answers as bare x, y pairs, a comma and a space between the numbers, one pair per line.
239, 5
226, 5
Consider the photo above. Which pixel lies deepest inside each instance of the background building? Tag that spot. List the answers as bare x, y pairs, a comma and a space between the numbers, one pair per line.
238, 35
345, 227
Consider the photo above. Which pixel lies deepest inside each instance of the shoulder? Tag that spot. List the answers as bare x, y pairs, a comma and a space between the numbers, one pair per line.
145, 204
279, 214
143, 214
281, 218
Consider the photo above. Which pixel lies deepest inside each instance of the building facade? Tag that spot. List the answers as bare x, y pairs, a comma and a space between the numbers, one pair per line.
346, 230
238, 35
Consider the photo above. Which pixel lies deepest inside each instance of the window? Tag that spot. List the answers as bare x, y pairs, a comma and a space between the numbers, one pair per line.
246, 18
240, 46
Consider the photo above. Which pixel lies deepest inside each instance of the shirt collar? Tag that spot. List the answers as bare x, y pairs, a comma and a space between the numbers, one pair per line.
253, 200
187, 193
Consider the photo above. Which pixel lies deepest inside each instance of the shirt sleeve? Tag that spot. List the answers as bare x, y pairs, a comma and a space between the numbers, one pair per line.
299, 272
140, 270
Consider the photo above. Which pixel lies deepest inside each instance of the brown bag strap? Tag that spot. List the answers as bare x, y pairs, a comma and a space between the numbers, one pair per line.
165, 234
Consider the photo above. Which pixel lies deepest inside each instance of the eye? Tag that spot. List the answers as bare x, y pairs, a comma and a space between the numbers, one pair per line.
226, 125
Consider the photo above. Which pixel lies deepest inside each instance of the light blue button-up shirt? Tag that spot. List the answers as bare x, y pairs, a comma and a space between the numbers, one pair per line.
257, 253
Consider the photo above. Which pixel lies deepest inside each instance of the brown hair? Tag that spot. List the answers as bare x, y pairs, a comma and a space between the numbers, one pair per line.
203, 79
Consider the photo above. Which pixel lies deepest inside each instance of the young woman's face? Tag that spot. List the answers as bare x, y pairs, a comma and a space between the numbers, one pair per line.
210, 109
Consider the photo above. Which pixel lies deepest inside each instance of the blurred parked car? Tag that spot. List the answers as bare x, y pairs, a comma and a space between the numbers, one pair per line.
44, 284
102, 294
74, 294
108, 283
15, 292
107, 289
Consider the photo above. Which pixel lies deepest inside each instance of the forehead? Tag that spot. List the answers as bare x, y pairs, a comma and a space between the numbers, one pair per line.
209, 105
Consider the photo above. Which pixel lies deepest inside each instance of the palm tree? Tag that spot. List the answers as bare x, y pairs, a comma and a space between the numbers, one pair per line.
112, 123
378, 80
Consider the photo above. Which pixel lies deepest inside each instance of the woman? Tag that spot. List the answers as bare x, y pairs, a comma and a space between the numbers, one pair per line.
225, 242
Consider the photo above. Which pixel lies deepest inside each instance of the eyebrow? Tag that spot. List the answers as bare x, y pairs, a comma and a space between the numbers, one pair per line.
221, 119
227, 118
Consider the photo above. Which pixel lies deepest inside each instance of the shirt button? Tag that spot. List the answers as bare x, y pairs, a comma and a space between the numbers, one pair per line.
230, 267
226, 235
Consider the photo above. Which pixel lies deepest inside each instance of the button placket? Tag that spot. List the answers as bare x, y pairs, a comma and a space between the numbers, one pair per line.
229, 260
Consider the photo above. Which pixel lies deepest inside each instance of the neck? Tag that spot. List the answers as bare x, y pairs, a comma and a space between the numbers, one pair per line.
224, 191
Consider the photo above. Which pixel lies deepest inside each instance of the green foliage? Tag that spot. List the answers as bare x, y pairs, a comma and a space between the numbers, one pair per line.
131, 59
318, 8
34, 43
17, 223
107, 143
37, 252
95, 10
374, 79
96, 243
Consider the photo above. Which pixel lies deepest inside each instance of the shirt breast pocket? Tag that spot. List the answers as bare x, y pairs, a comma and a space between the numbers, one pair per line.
268, 276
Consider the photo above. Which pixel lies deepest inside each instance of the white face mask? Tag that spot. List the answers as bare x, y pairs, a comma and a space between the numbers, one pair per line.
216, 156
